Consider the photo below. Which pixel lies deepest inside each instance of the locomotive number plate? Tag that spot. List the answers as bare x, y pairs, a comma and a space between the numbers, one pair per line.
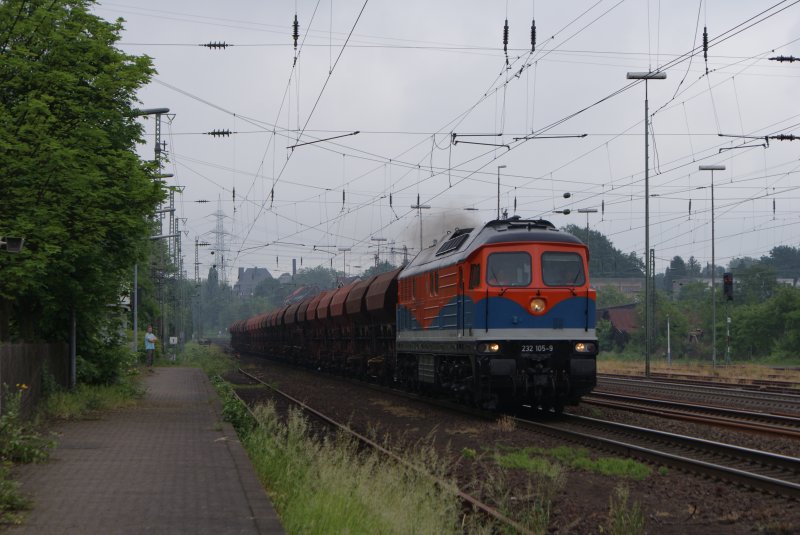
537, 348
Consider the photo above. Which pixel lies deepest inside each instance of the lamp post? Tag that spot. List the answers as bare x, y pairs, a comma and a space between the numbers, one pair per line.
646, 76
158, 112
498, 189
419, 208
712, 168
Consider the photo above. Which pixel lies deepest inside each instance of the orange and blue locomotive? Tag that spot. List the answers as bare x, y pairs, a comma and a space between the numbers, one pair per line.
498, 316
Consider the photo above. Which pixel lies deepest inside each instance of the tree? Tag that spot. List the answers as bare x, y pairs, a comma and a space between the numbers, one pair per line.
693, 267
677, 270
382, 267
785, 261
72, 184
609, 296
604, 259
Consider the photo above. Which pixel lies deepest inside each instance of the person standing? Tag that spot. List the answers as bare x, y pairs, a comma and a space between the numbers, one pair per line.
150, 345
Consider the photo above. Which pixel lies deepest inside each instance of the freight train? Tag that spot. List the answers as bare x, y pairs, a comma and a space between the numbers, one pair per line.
498, 317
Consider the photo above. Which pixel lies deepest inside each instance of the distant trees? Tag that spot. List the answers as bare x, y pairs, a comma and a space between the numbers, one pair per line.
219, 307
765, 314
605, 261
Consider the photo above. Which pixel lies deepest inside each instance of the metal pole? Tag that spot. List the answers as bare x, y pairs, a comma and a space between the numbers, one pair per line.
646, 239
728, 334
646, 76
669, 348
419, 207
713, 282
135, 307
498, 189
73, 353
713, 168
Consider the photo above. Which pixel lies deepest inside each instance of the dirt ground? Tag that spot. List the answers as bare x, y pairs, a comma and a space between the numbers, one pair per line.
672, 502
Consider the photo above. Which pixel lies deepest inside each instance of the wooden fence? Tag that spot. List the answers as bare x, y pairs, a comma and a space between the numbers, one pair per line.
27, 363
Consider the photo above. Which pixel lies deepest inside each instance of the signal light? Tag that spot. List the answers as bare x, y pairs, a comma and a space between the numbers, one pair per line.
727, 285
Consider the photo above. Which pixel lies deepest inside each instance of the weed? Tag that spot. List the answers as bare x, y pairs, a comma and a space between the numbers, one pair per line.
19, 441
84, 400
233, 409
534, 460
663, 470
469, 453
506, 424
12, 502
624, 519
328, 485
210, 359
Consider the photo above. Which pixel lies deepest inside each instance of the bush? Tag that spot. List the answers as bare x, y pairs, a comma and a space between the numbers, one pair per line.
19, 441
104, 360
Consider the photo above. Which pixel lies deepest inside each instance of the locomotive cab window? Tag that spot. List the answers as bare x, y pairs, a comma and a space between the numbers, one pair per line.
563, 269
508, 269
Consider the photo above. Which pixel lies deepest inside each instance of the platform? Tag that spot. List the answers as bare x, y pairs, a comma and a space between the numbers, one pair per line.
169, 465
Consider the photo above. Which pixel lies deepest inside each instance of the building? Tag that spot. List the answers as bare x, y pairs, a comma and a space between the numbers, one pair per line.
249, 278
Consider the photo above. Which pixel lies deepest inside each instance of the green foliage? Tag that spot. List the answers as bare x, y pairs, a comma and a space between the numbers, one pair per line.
103, 360
233, 409
606, 261
609, 296
624, 519
536, 460
19, 441
72, 184
12, 502
469, 453
523, 461
328, 486
383, 267
770, 327
605, 335
85, 400
210, 359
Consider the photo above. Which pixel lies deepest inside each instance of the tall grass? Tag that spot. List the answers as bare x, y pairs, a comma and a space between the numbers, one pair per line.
211, 359
85, 400
326, 485
624, 518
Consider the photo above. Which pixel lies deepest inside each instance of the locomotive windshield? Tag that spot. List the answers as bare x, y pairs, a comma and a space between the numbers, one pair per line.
509, 269
562, 269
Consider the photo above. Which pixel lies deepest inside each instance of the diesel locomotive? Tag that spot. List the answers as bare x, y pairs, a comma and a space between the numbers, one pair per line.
501, 316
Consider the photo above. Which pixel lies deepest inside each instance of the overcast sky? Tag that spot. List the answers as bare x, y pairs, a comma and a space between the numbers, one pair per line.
409, 75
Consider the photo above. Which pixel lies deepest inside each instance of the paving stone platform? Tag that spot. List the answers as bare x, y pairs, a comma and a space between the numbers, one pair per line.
167, 466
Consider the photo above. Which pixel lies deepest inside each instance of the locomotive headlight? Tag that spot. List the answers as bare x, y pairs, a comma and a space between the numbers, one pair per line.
538, 305
585, 347
491, 347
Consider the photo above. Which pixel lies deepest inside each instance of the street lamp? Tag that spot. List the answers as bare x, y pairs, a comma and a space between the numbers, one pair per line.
158, 112
712, 168
498, 189
647, 315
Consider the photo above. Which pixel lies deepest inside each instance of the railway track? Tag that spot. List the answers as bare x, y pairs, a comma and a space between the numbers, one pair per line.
467, 500
776, 474
750, 385
782, 403
762, 422
763, 471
